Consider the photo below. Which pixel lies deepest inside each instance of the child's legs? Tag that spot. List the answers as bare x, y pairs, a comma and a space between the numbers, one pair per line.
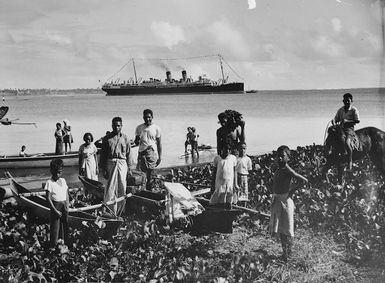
243, 188
64, 222
54, 227
148, 179
349, 151
286, 242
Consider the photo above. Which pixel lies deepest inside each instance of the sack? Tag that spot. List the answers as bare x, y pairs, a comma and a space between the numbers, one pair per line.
136, 178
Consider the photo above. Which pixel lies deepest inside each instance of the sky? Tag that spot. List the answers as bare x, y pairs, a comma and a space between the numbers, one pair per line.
269, 44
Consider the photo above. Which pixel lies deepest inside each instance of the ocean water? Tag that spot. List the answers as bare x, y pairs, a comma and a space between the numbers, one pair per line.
273, 118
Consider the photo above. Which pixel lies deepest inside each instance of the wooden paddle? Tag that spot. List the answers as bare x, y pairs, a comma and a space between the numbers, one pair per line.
245, 209
91, 207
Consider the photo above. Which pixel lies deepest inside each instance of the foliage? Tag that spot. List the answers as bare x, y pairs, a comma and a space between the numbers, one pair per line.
148, 250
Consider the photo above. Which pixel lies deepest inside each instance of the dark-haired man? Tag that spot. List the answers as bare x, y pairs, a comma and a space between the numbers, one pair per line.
115, 162
148, 137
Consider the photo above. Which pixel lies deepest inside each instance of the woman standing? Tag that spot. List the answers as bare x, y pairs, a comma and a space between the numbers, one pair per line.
224, 178
59, 133
88, 165
68, 136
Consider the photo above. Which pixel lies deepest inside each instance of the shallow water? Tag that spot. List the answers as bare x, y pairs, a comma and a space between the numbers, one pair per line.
272, 118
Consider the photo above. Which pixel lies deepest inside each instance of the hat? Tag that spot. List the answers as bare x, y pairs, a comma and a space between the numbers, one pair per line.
65, 121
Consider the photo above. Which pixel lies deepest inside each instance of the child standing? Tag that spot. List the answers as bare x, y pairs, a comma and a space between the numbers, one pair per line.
282, 206
224, 179
88, 164
194, 141
67, 138
59, 134
58, 199
244, 166
188, 139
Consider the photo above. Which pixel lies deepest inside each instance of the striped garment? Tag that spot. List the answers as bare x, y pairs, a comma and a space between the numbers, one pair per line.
243, 193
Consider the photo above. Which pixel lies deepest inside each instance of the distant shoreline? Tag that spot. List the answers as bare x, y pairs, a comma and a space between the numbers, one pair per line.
48, 91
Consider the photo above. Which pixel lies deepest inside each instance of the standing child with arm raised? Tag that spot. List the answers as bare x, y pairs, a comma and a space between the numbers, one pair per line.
282, 206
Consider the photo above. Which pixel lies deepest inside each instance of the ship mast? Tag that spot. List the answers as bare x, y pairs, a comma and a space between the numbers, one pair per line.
133, 64
220, 61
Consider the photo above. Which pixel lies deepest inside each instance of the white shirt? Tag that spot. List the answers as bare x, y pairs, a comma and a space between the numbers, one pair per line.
350, 114
243, 165
148, 136
58, 189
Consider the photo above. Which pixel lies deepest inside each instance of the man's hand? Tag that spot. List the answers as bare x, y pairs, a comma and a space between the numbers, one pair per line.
58, 213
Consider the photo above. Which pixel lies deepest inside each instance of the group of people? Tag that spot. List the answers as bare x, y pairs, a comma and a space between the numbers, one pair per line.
116, 157
232, 167
191, 139
115, 165
63, 138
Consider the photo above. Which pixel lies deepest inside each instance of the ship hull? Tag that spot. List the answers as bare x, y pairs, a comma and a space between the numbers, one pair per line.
175, 89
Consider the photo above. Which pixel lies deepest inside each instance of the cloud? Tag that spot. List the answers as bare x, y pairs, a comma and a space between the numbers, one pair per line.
58, 38
228, 37
6, 37
337, 26
170, 35
325, 45
252, 4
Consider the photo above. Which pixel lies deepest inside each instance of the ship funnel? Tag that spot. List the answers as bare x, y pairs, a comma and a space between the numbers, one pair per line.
184, 75
168, 76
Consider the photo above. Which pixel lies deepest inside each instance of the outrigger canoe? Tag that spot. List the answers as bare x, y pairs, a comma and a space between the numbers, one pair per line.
38, 207
176, 203
37, 160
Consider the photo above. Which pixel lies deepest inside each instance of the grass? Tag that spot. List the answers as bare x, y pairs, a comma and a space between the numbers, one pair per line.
316, 258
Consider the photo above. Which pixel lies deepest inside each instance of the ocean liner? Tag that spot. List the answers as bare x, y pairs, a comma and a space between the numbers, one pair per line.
171, 86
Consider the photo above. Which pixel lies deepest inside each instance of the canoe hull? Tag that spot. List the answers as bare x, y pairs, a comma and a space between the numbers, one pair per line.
38, 208
210, 220
38, 161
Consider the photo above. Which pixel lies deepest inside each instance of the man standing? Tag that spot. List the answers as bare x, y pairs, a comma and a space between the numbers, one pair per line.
148, 137
115, 163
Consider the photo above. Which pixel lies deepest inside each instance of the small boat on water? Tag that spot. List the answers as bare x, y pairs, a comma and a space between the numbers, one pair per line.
38, 207
37, 160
